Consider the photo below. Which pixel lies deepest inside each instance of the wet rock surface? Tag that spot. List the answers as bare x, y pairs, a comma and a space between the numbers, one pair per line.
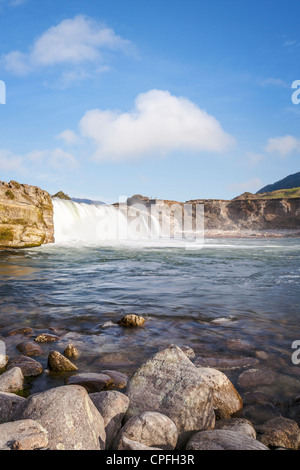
30, 348
280, 432
29, 366
59, 363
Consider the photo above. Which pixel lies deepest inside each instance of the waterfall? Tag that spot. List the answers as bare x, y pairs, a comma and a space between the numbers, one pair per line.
79, 222
85, 223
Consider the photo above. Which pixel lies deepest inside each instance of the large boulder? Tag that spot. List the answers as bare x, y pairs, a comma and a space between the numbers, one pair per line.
12, 381
150, 429
23, 435
170, 384
280, 432
70, 417
112, 406
8, 404
26, 218
223, 440
225, 399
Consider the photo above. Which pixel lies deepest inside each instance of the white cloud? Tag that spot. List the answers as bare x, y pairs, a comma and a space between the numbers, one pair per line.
54, 158
253, 185
276, 82
68, 137
283, 146
73, 42
159, 123
11, 162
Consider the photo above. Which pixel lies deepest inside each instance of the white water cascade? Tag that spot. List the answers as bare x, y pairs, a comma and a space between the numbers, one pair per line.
79, 222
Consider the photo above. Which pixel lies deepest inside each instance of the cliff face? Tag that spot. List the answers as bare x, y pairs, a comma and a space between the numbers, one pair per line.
26, 216
252, 214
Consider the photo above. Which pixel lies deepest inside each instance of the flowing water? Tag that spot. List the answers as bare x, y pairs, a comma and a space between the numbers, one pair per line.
204, 297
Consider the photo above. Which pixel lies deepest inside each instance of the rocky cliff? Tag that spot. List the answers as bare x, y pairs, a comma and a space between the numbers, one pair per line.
26, 216
252, 215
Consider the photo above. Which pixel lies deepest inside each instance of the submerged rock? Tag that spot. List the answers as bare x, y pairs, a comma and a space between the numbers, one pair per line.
223, 440
92, 382
21, 332
8, 404
28, 366
226, 363
70, 417
71, 352
150, 429
58, 363
30, 348
23, 435
112, 406
170, 384
256, 377
132, 320
280, 432
119, 380
46, 338
12, 381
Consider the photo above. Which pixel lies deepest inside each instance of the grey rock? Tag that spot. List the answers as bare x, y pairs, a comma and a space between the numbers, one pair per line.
70, 417
92, 382
127, 444
29, 367
150, 429
23, 435
112, 406
223, 440
8, 404
226, 401
188, 351
3, 356
239, 425
12, 381
280, 432
170, 384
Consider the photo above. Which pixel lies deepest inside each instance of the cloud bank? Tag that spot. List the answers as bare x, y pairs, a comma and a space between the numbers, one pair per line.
283, 146
159, 123
72, 42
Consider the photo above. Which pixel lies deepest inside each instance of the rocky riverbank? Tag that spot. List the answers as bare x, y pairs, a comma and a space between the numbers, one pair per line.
26, 216
173, 401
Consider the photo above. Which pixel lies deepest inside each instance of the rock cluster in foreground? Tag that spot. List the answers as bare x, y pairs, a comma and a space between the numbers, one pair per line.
168, 404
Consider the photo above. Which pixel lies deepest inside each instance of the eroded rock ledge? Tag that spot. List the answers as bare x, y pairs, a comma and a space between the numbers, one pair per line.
26, 216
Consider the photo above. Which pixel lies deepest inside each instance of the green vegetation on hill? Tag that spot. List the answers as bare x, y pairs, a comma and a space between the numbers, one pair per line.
290, 182
294, 192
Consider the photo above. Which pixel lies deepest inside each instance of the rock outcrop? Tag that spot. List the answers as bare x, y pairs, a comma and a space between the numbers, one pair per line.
26, 216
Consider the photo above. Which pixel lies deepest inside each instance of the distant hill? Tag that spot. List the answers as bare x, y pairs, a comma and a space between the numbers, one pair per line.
281, 193
290, 182
87, 201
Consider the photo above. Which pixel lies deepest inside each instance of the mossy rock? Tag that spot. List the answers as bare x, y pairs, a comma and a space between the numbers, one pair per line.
10, 194
6, 235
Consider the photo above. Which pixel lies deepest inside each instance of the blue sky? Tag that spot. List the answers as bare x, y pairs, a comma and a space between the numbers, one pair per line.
177, 99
